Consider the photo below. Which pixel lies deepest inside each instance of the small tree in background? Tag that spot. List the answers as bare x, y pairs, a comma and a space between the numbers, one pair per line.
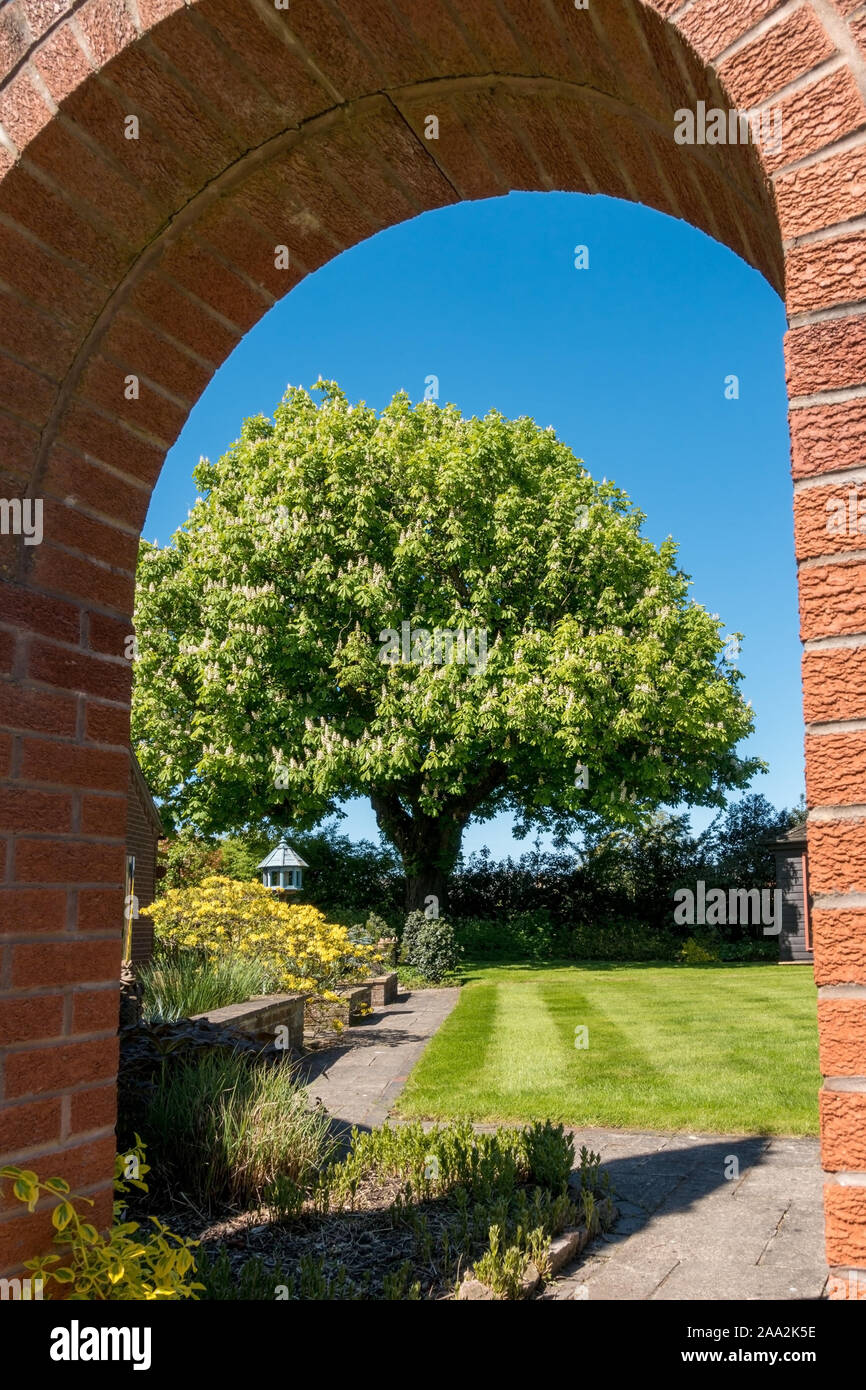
430, 947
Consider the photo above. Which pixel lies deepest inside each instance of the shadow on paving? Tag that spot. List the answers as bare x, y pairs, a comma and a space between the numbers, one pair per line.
705, 1217
359, 1077
374, 1031
678, 1178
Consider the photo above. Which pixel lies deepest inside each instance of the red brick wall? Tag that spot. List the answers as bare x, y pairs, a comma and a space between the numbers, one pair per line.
152, 257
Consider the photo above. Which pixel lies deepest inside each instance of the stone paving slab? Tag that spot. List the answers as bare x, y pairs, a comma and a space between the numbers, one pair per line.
359, 1080
686, 1231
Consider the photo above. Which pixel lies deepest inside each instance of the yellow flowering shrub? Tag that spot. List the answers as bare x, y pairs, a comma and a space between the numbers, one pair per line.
227, 917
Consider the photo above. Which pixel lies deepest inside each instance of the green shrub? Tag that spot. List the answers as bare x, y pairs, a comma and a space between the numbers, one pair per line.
119, 1266
224, 1131
698, 952
622, 941
437, 1160
183, 983
535, 936
430, 946
707, 946
413, 925
377, 927
549, 1155
750, 948
524, 935
501, 1269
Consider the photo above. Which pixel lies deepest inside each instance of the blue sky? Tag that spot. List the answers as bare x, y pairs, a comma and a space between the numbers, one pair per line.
627, 359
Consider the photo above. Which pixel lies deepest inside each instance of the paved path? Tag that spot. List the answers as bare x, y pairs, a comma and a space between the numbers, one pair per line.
686, 1231
359, 1081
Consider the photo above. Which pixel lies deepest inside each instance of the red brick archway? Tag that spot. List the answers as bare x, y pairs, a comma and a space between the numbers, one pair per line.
306, 127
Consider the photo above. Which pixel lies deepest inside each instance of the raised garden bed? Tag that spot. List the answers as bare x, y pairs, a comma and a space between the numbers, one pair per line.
412, 1214
261, 1018
324, 1015
383, 988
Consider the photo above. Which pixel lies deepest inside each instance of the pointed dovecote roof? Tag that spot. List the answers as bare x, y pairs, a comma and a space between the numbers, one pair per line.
283, 857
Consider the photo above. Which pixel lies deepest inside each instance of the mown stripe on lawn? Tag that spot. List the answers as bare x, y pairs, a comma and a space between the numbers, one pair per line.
707, 1045
452, 1065
613, 1055
669, 1049
527, 1050
675, 1002
608, 1036
669, 1015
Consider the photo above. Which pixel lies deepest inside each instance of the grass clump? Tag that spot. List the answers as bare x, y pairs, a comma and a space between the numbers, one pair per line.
228, 1131
184, 983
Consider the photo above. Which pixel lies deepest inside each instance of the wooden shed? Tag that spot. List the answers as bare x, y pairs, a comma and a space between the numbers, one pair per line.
792, 876
143, 832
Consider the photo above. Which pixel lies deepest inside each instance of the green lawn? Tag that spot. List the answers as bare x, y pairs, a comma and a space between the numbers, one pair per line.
718, 1049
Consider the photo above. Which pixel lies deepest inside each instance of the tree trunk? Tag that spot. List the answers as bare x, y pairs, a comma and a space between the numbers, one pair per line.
428, 845
427, 890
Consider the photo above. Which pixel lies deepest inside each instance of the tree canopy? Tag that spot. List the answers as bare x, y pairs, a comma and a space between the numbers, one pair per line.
445, 614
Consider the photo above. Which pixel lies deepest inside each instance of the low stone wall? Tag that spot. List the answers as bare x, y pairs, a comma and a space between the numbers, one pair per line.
383, 988
354, 1001
261, 1018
